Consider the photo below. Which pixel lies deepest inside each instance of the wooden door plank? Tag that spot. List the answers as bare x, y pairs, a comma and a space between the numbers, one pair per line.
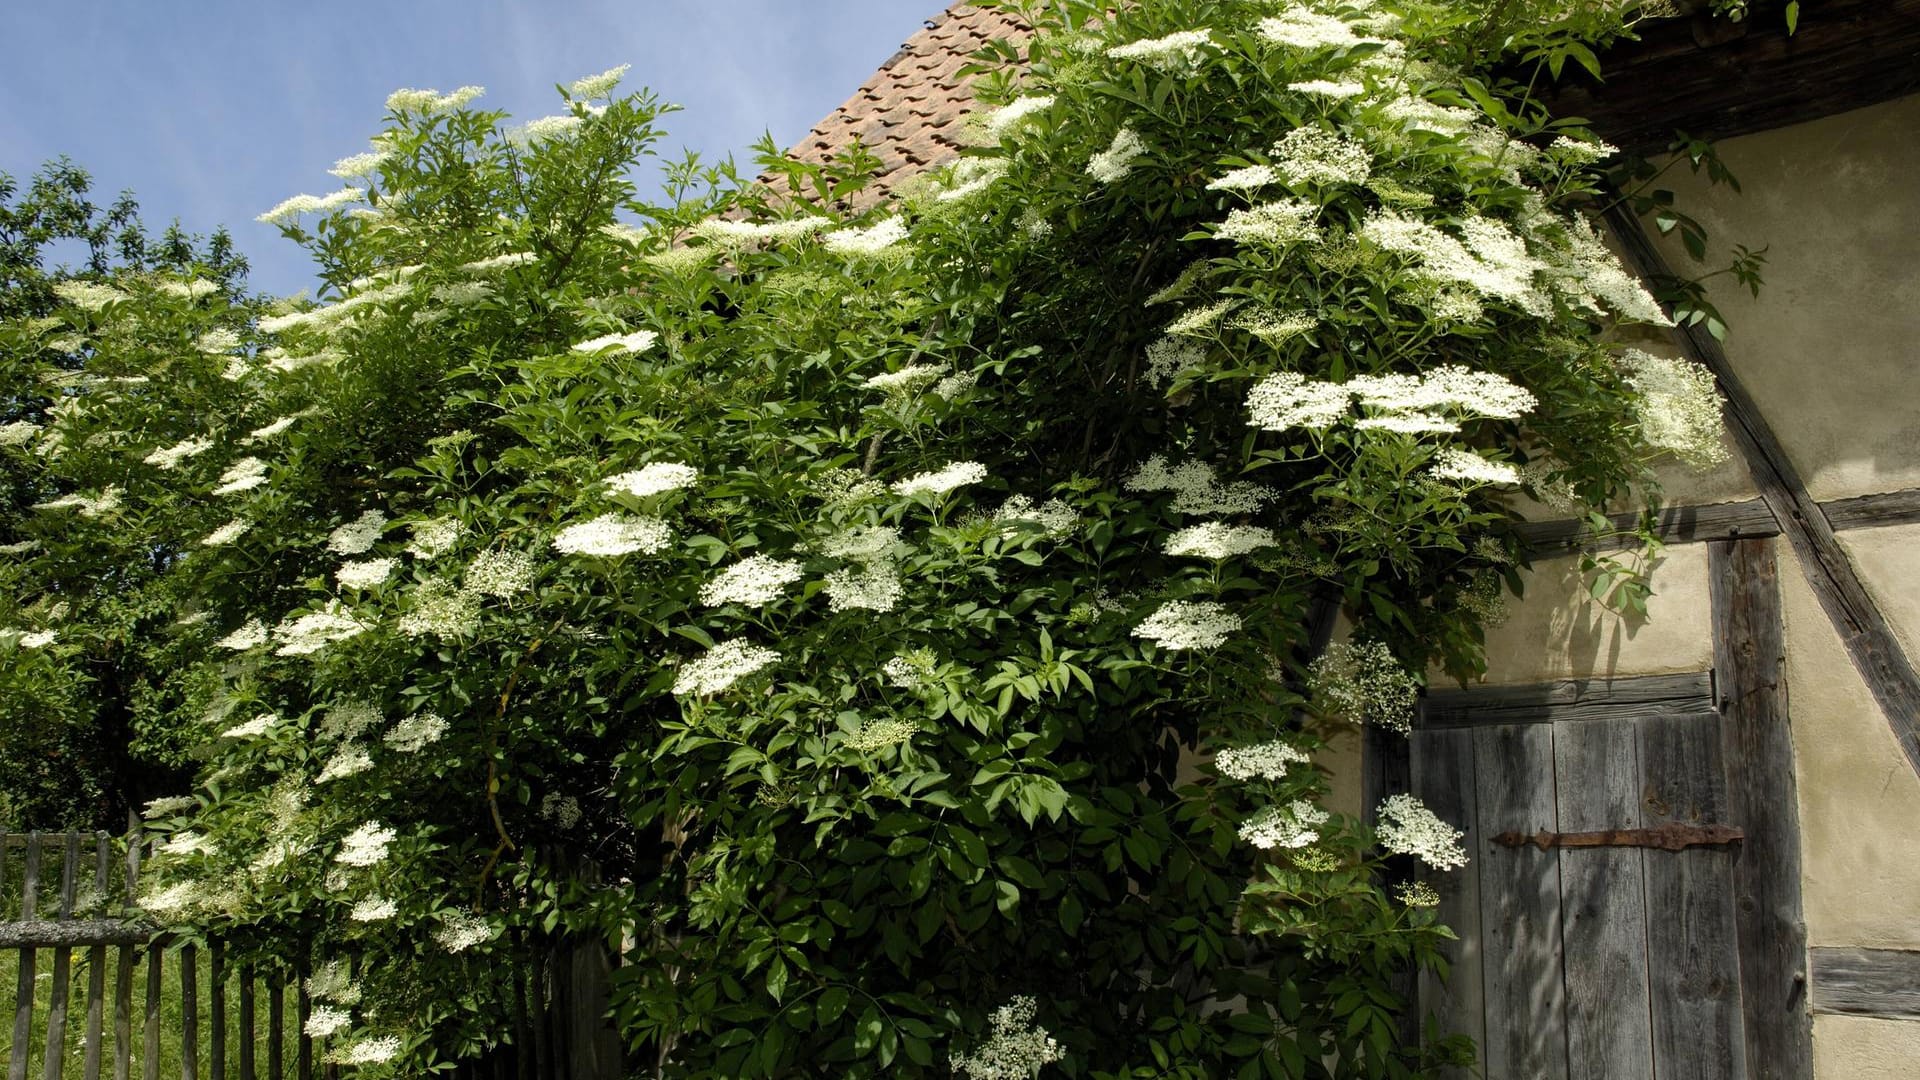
1749, 652
1443, 778
1692, 942
1519, 905
1603, 908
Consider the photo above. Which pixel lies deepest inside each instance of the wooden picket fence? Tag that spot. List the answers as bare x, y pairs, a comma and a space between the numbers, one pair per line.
57, 893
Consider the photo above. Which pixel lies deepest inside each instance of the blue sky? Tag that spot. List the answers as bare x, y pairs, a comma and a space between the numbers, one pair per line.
212, 111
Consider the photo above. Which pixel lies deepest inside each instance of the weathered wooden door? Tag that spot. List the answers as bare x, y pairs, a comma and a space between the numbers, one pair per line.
1589, 963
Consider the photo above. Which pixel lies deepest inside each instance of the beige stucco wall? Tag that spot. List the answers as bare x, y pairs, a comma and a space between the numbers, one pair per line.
1888, 559
1862, 1048
1827, 349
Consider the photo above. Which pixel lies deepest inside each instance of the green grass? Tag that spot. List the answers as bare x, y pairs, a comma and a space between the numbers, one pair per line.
171, 1026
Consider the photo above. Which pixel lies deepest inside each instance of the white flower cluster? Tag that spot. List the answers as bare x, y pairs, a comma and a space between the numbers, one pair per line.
1311, 155
442, 610
1327, 88
325, 1020
1017, 1049
1275, 224
268, 431
723, 665
292, 208
755, 581
373, 909
416, 732
1273, 325
38, 639
462, 930
1218, 540
1580, 151
106, 501
1407, 827
1196, 489
359, 166
169, 804
364, 574
908, 380
880, 734
1195, 322
171, 456
874, 587
505, 261
653, 479
1414, 403
368, 1051
434, 537
430, 102
1265, 761
562, 810
872, 240
347, 761
1678, 407
1246, 178
366, 845
1293, 826
940, 481
611, 535
910, 670
1301, 28
359, 535
1176, 54
731, 233
1054, 517
973, 176
251, 635
1587, 274
188, 843
19, 433
1365, 684
593, 86
87, 295
1189, 624
638, 341
545, 129
1110, 166
315, 630
1466, 467
253, 728
500, 573
228, 533
862, 543
350, 719
1003, 120
1168, 356
1487, 257
333, 981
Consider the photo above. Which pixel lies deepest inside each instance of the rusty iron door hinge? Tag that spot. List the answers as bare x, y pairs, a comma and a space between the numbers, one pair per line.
1665, 837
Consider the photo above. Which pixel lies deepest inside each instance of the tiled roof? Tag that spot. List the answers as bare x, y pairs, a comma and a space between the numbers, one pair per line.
908, 113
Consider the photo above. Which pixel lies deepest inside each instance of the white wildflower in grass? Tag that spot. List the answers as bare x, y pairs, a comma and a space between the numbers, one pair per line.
434, 537
1249, 178
350, 719
723, 665
1188, 624
244, 475
315, 630
1365, 684
874, 587
500, 573
956, 385
1271, 325
253, 728
638, 341
1678, 406
1311, 155
600, 85
359, 535
19, 433
1328, 88
1219, 540
289, 209
908, 380
1407, 827
1275, 224
1110, 166
372, 1050
1176, 54
1287, 399
507, 261
1198, 322
941, 481
755, 581
416, 732
872, 240
169, 805
1466, 467
251, 635
87, 295
1017, 1048
545, 129
653, 479
462, 930
1292, 826
442, 610
1262, 761
1196, 489
610, 535
325, 1020
366, 845
346, 761
106, 501
1300, 28
1005, 120
364, 574
373, 909
359, 166
1053, 518
268, 431
1168, 356
562, 810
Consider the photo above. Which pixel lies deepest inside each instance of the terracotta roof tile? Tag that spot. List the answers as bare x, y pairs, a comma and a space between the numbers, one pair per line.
906, 114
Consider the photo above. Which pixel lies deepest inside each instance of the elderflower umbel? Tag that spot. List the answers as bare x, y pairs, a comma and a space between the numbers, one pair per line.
500, 573
1218, 540
346, 761
910, 670
1003, 120
416, 732
1054, 518
1287, 399
755, 581
366, 845
545, 129
1301, 28
1364, 683
869, 241
462, 930
442, 610
364, 574
1293, 826
880, 734
1187, 624
18, 433
245, 475
1110, 166
653, 479
908, 380
251, 635
1327, 88
610, 535
1467, 467
1249, 178
1276, 224
311, 632
1196, 490
349, 719
500, 262
1016, 1050
722, 666
292, 208
638, 341
875, 587
862, 543
268, 431
253, 728
87, 295
228, 533
1168, 356
1407, 827
1266, 761
940, 481
1176, 54
434, 537
38, 639
373, 909
368, 1051
171, 456
600, 85
324, 1020
1678, 407
1311, 155
169, 804
1195, 322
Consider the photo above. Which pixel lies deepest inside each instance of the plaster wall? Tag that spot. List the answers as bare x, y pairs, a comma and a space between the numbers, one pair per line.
1864, 1048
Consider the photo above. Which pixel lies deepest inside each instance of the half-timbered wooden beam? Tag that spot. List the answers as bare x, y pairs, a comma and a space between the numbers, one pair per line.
1868, 637
1867, 982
